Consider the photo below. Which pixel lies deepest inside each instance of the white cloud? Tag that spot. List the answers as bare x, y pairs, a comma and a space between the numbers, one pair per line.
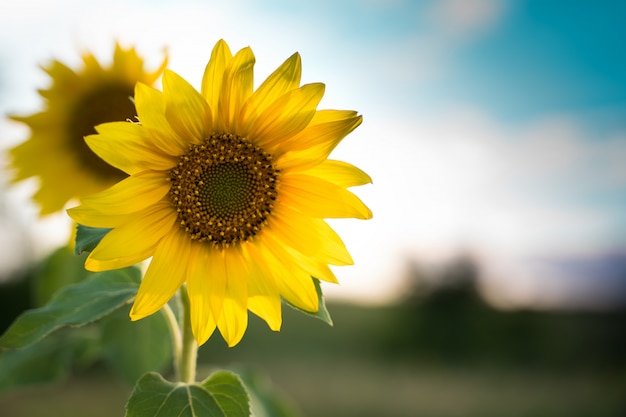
463, 182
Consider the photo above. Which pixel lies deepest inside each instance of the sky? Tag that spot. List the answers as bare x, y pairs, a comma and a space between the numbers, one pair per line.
492, 128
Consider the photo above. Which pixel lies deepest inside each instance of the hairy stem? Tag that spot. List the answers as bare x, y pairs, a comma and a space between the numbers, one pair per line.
189, 353
177, 339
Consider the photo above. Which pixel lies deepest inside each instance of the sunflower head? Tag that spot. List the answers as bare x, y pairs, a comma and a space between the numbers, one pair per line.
228, 190
75, 102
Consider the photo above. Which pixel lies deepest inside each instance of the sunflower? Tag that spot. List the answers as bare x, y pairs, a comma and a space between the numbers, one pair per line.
75, 102
228, 190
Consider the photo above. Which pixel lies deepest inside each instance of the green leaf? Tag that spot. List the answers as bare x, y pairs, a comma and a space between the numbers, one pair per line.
136, 347
59, 269
322, 312
229, 392
75, 305
87, 238
47, 361
221, 395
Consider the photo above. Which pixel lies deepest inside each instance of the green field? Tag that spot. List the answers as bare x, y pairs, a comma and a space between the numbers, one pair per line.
448, 355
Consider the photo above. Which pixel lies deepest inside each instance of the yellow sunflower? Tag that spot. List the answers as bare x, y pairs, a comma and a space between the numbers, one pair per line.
75, 102
228, 190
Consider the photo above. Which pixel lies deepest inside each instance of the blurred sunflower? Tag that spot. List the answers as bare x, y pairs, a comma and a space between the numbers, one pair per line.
227, 191
75, 102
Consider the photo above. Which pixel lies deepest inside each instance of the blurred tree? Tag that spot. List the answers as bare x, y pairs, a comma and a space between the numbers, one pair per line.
443, 319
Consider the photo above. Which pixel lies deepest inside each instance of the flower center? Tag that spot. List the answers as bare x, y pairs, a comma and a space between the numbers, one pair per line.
223, 189
111, 103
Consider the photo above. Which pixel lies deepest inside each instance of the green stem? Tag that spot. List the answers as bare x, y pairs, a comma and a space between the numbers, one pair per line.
189, 353
177, 340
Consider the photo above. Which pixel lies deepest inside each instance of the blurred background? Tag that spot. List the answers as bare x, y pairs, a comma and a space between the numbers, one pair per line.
492, 279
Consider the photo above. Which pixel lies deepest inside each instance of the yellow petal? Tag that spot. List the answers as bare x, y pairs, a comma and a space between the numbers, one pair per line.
97, 265
322, 272
324, 128
49, 201
49, 196
65, 78
127, 146
313, 238
313, 265
319, 198
127, 61
284, 78
134, 240
164, 276
214, 74
203, 322
294, 229
313, 144
215, 280
294, 284
130, 63
328, 116
93, 218
186, 110
28, 161
234, 318
150, 105
339, 172
44, 130
332, 251
132, 194
236, 88
286, 116
91, 64
263, 295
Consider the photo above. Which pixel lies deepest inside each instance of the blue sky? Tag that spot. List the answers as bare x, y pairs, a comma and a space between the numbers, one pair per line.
548, 57
491, 127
